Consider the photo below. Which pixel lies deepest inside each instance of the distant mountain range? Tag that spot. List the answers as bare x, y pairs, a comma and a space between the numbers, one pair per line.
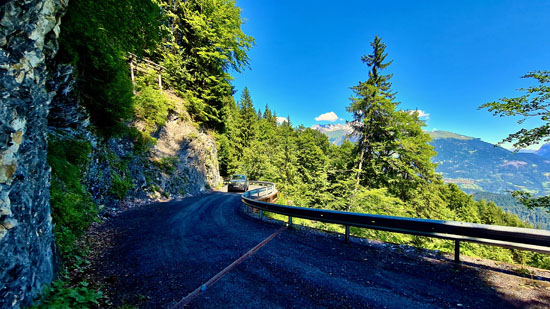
336, 133
476, 165
544, 151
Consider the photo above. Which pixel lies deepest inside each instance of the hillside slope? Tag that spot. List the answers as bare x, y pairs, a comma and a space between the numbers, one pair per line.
479, 166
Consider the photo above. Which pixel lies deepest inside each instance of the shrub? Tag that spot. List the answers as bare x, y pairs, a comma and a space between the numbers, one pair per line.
167, 164
61, 294
120, 185
153, 107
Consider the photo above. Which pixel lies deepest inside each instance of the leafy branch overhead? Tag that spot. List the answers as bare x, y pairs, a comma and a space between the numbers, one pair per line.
534, 103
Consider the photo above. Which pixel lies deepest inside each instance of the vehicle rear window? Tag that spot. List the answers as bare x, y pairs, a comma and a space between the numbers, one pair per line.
238, 177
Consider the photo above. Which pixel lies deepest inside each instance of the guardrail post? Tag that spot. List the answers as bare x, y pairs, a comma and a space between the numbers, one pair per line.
289, 222
347, 233
457, 251
261, 214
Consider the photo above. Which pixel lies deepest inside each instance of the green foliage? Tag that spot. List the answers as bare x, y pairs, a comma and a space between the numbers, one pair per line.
152, 106
96, 37
72, 207
538, 217
393, 149
62, 294
121, 181
120, 185
205, 42
142, 140
534, 103
246, 125
531, 202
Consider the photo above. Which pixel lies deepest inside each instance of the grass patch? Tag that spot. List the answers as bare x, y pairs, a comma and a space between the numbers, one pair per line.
73, 211
153, 107
62, 294
167, 164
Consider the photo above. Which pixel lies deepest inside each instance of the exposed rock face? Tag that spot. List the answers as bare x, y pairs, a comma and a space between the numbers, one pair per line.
183, 162
195, 158
28, 33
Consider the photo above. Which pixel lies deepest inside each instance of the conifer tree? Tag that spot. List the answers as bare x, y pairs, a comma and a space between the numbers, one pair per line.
393, 150
246, 123
372, 106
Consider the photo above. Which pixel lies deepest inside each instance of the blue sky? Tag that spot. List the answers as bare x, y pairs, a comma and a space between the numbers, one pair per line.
449, 57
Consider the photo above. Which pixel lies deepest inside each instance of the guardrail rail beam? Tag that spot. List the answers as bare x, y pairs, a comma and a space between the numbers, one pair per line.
502, 236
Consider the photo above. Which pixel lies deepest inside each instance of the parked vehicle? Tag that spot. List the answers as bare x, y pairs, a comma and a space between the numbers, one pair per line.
238, 183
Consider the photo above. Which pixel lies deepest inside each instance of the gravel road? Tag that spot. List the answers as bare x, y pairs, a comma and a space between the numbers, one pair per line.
154, 255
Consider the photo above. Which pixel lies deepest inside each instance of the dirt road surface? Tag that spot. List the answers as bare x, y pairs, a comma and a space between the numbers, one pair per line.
153, 256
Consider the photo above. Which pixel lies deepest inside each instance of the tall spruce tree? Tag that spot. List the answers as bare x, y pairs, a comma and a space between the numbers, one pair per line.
393, 150
372, 107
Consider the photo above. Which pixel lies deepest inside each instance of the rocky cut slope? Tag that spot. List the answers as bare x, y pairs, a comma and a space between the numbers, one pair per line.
28, 40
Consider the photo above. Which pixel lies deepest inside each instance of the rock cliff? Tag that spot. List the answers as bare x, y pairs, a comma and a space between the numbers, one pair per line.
28, 34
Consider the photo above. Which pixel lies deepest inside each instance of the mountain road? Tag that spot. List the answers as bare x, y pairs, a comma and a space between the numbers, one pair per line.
153, 256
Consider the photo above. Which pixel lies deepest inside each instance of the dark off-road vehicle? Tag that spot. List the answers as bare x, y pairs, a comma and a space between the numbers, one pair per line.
238, 183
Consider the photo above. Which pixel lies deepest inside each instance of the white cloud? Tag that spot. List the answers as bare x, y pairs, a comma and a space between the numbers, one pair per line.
421, 114
330, 116
280, 120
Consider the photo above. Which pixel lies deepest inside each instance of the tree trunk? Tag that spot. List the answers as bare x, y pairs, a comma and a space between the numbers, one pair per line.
361, 159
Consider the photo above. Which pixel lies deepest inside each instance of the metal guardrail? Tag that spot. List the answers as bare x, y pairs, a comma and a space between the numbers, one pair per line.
502, 236
266, 189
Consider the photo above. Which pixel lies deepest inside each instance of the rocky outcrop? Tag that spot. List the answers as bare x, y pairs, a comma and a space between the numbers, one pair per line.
193, 154
182, 162
35, 103
28, 34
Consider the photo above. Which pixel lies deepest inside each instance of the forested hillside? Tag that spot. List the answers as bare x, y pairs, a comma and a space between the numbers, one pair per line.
479, 166
538, 217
